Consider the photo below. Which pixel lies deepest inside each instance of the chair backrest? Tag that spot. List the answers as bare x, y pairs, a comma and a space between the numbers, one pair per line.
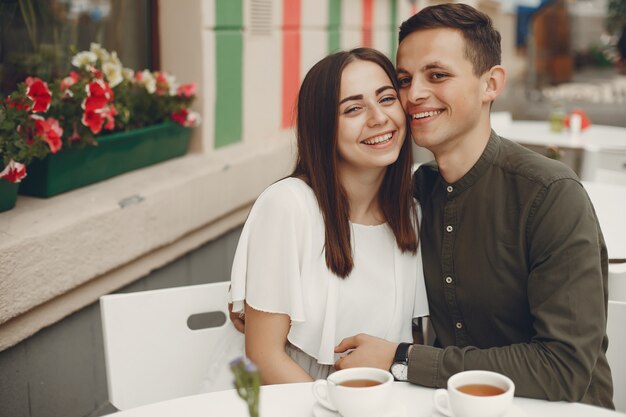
617, 281
152, 354
501, 121
615, 353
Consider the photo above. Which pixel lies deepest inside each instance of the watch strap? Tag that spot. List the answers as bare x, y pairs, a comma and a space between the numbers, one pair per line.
402, 353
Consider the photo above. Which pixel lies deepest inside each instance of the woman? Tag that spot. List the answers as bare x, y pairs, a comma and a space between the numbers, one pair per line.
332, 250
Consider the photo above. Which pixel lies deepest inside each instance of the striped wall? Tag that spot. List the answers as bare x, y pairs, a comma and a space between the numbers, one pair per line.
263, 49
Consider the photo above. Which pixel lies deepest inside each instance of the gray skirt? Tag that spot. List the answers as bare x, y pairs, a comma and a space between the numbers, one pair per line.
308, 363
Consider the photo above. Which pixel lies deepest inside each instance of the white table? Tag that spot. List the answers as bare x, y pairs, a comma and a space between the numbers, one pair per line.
296, 400
596, 147
538, 133
609, 200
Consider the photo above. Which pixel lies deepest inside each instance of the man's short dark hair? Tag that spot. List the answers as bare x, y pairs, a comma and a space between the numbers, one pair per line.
482, 40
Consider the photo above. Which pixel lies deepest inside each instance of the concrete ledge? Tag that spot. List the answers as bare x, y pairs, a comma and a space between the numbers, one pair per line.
119, 230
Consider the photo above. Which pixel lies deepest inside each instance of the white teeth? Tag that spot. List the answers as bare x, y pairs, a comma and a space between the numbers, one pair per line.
378, 139
426, 114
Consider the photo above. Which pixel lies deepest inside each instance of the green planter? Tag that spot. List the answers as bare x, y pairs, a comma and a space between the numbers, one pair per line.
8, 195
115, 154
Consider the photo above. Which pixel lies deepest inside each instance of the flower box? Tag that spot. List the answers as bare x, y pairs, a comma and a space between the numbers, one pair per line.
8, 195
116, 153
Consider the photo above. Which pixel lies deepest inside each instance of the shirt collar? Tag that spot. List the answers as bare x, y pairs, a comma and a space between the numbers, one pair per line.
479, 168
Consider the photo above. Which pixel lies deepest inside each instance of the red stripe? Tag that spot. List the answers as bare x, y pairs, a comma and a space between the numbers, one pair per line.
291, 60
368, 19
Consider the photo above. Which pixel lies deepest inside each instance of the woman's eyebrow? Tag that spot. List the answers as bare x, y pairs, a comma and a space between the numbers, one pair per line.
360, 96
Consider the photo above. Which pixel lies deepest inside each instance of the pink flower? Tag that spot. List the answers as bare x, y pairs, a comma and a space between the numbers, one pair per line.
49, 131
162, 84
39, 93
13, 172
186, 118
69, 81
187, 90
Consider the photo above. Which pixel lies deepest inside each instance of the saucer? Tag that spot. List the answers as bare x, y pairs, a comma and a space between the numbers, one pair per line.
514, 411
396, 410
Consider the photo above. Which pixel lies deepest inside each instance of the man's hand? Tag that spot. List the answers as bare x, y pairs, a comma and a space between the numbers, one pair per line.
365, 350
238, 319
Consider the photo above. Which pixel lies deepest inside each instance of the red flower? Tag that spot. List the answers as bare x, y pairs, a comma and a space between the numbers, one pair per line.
20, 105
186, 118
98, 109
49, 131
187, 90
39, 93
14, 172
180, 116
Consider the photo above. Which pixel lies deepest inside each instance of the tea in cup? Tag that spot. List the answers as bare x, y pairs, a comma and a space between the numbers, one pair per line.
355, 392
475, 394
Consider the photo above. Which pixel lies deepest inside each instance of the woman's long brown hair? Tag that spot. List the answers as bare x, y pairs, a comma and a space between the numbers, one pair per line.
317, 119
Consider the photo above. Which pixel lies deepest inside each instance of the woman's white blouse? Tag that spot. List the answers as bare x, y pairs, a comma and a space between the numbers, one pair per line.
280, 267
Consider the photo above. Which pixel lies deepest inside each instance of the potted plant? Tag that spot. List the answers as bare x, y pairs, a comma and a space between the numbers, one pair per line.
24, 134
110, 120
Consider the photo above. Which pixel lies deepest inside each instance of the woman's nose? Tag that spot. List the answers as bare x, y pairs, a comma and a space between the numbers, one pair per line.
376, 116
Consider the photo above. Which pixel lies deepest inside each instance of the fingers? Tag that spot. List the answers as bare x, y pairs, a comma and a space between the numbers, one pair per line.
346, 344
238, 319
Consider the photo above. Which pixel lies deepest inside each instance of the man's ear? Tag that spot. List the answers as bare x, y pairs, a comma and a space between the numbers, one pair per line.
495, 80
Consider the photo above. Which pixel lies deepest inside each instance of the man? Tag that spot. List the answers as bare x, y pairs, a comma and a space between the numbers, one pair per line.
514, 259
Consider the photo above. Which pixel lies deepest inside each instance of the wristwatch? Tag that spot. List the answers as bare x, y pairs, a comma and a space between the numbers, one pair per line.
400, 366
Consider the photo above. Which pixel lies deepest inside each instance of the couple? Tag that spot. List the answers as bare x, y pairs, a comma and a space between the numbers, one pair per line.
514, 263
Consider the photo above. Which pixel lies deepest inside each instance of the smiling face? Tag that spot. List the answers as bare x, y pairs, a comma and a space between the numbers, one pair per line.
446, 102
371, 125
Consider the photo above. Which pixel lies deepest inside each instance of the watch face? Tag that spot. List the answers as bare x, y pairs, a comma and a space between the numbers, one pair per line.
399, 371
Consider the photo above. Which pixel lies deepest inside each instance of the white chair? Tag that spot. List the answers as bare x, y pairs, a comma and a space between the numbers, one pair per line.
615, 353
501, 121
152, 354
617, 282
610, 176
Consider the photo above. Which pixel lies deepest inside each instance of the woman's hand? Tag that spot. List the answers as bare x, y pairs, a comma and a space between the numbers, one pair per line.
238, 319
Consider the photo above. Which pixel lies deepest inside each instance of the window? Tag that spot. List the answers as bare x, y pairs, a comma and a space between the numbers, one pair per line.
36, 36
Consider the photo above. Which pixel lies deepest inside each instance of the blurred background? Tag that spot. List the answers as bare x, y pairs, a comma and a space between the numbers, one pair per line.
177, 223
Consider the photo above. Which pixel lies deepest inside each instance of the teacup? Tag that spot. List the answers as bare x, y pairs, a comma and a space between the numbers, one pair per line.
355, 392
475, 394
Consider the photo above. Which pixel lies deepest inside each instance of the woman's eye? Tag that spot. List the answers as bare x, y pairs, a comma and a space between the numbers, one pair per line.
388, 99
351, 109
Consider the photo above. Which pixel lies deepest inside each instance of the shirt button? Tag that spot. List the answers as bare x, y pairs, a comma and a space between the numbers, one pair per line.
459, 325
449, 228
448, 280
449, 188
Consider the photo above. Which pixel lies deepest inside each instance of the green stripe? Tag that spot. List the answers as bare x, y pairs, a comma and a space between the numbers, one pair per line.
394, 29
229, 72
334, 21
229, 14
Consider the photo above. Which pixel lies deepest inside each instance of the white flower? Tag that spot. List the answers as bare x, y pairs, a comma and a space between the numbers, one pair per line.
193, 119
172, 83
128, 74
113, 58
101, 53
113, 73
148, 80
82, 59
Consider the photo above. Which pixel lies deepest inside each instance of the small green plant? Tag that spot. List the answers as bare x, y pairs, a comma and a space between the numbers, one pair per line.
248, 383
